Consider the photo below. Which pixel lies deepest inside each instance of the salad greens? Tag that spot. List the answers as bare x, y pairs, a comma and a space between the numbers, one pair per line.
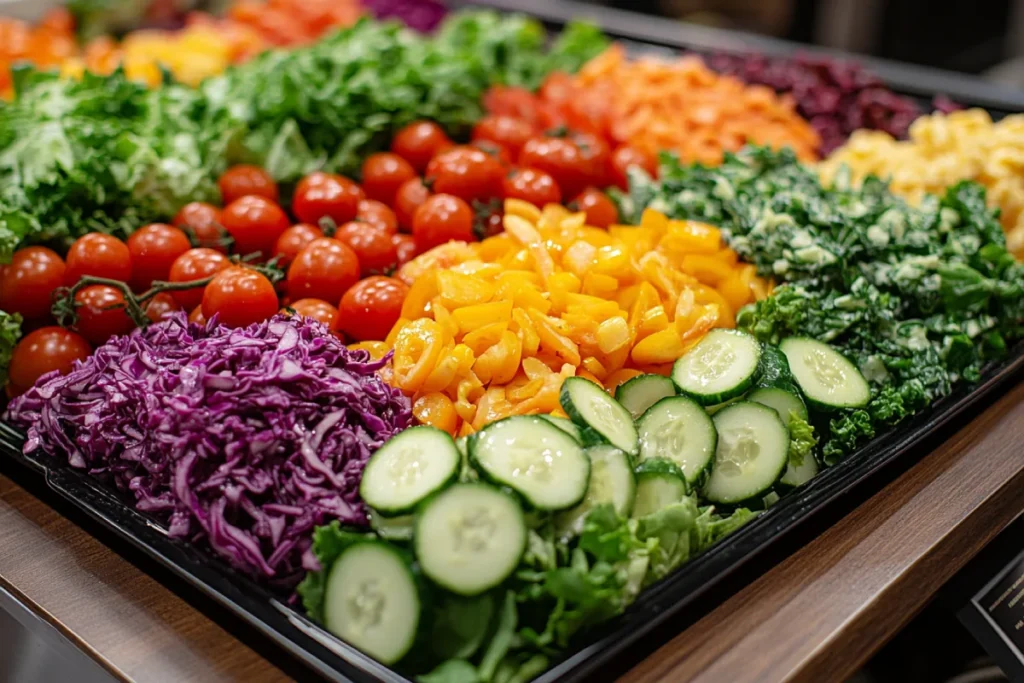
560, 588
104, 153
10, 333
324, 107
918, 297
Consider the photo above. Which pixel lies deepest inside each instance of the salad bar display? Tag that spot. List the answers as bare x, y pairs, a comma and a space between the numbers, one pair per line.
444, 356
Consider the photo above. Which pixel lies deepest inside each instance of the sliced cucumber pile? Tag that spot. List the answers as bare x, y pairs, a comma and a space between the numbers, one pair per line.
659, 483
469, 538
783, 401
536, 459
600, 417
801, 474
611, 481
409, 467
643, 391
371, 601
678, 430
566, 426
752, 453
827, 378
721, 366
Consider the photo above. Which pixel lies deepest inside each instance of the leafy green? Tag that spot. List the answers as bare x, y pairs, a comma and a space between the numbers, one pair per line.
102, 153
918, 298
561, 589
327, 105
10, 333
802, 440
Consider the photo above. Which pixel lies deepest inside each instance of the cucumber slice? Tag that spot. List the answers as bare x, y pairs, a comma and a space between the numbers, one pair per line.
566, 426
469, 538
783, 401
533, 457
798, 476
611, 481
391, 528
409, 467
659, 483
642, 392
679, 430
752, 453
827, 378
722, 365
600, 417
371, 601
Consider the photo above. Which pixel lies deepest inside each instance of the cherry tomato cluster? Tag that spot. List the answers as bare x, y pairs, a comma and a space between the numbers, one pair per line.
337, 246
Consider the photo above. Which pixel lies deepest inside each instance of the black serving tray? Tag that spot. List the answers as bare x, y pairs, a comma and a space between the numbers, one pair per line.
248, 607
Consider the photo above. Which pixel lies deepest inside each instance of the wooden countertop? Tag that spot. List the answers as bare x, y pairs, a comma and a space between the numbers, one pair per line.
817, 615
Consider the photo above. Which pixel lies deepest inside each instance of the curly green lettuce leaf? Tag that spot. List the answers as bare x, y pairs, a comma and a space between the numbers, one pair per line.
802, 440
10, 333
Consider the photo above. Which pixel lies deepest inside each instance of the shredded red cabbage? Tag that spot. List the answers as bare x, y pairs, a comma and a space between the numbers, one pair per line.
421, 15
837, 97
246, 439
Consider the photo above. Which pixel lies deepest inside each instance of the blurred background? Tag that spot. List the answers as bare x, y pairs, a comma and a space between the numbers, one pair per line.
984, 38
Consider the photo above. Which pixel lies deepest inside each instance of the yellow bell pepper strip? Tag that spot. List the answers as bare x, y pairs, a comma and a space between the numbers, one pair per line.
492, 329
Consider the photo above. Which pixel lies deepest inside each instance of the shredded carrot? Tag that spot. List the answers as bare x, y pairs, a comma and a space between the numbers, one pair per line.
682, 106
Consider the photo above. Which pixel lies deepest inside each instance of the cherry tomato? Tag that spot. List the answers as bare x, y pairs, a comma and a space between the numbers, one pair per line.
195, 264
320, 195
28, 281
254, 223
101, 313
323, 270
531, 185
494, 150
561, 159
370, 308
557, 88
293, 240
161, 306
409, 197
377, 213
405, 248
383, 174
419, 142
372, 245
317, 309
601, 211
196, 316
596, 155
495, 224
517, 103
441, 218
623, 158
509, 132
239, 296
466, 172
239, 181
42, 351
153, 250
204, 221
98, 255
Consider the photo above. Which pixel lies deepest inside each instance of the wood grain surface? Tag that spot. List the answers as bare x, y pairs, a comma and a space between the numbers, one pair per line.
815, 616
135, 627
821, 613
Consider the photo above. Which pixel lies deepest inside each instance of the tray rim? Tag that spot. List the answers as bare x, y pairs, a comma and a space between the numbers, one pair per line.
332, 659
